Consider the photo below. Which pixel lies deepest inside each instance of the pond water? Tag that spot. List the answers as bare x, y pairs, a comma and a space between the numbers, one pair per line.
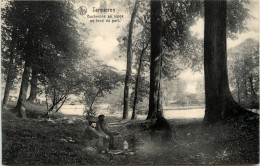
169, 113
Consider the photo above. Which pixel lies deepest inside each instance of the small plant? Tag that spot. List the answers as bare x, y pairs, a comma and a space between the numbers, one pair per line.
89, 112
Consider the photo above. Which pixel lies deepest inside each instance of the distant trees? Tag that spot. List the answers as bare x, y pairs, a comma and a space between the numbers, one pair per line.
243, 72
200, 91
179, 93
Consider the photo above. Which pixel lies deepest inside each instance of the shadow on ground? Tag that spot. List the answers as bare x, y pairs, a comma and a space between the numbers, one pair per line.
45, 141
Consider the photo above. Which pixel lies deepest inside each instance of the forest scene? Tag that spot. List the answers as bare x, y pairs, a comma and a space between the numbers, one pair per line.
130, 82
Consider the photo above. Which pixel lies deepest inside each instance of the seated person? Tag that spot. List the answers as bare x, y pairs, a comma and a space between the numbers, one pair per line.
101, 125
95, 137
162, 125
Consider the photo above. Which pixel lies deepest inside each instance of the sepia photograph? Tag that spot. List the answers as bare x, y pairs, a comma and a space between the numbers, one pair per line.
129, 82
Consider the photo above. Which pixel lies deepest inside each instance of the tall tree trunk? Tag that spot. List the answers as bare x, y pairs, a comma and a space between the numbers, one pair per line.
252, 86
129, 62
238, 92
245, 82
156, 59
23, 91
10, 74
219, 101
9, 80
137, 80
136, 88
34, 82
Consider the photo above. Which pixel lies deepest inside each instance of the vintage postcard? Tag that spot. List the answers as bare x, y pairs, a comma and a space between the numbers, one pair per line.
129, 82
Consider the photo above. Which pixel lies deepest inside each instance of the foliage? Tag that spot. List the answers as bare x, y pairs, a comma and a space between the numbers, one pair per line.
179, 16
237, 13
179, 95
115, 100
200, 91
46, 36
104, 80
8, 44
57, 89
243, 70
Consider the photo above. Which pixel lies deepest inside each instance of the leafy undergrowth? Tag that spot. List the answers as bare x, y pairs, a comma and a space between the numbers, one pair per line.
34, 141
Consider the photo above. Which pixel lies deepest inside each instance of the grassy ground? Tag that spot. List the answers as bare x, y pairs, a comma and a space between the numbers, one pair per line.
41, 141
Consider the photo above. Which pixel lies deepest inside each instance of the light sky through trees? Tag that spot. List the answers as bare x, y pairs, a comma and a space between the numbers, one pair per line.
104, 38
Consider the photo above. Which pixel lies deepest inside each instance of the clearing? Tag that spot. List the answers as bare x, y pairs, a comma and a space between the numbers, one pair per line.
47, 141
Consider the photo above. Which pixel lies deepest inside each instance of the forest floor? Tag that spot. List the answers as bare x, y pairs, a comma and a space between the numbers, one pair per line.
58, 141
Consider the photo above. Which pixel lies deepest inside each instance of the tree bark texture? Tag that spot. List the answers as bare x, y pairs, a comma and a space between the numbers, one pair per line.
129, 62
238, 92
23, 91
137, 81
34, 82
245, 84
94, 99
252, 86
10, 74
156, 59
219, 101
9, 80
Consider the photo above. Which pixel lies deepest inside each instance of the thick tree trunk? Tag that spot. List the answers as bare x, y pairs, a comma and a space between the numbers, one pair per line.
219, 101
34, 82
9, 80
156, 59
10, 74
129, 62
23, 91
